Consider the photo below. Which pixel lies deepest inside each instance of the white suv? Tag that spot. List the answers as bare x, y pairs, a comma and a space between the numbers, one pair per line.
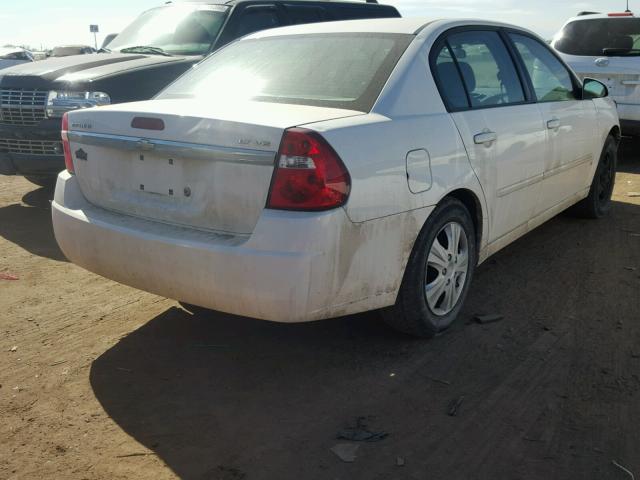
606, 47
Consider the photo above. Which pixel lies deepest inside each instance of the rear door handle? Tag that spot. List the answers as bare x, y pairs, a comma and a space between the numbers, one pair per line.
553, 124
485, 138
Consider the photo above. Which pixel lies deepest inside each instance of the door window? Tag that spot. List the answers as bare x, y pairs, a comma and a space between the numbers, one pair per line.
551, 80
488, 72
451, 87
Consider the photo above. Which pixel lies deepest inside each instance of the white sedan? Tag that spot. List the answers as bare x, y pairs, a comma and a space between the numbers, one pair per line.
321, 170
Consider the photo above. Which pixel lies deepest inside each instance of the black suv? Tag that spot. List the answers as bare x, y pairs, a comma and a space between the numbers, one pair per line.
155, 49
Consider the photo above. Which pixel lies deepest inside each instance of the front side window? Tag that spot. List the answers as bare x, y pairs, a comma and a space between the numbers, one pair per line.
176, 29
346, 70
551, 80
488, 72
615, 37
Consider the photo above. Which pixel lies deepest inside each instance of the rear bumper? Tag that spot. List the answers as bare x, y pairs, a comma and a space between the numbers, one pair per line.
629, 119
295, 267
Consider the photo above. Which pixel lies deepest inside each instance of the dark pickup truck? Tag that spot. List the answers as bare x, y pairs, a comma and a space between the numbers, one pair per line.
160, 45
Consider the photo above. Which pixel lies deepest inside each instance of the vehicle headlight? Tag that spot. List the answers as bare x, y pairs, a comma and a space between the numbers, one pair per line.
59, 102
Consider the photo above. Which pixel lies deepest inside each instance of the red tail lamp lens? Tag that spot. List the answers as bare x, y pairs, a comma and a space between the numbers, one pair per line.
309, 174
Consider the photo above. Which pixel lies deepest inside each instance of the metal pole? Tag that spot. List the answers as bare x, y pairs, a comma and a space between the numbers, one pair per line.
95, 39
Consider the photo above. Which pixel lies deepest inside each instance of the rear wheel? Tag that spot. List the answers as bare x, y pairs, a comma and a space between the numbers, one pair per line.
46, 181
598, 203
438, 275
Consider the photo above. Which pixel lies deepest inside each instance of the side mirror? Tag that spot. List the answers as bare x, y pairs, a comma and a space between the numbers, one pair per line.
593, 89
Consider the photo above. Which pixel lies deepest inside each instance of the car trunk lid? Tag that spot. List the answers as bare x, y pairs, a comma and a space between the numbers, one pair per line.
209, 167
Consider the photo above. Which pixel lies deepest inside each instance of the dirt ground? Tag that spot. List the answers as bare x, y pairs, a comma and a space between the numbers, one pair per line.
100, 381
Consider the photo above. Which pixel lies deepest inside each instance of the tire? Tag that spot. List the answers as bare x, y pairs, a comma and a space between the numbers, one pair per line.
46, 181
598, 203
418, 312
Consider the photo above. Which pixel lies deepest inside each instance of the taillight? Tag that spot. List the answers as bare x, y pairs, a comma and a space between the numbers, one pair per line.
309, 174
68, 161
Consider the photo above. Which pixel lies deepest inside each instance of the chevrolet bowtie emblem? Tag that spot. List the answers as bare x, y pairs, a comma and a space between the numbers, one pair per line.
81, 155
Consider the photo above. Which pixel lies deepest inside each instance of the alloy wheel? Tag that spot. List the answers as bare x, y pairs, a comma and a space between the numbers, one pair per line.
447, 268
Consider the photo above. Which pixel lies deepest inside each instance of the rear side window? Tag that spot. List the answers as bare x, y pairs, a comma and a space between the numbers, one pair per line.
254, 19
346, 70
550, 78
451, 87
600, 36
488, 72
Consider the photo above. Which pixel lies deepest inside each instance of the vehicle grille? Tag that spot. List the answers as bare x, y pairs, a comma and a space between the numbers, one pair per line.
30, 147
22, 107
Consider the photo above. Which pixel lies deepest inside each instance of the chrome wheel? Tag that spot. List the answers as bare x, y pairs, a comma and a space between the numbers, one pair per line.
447, 268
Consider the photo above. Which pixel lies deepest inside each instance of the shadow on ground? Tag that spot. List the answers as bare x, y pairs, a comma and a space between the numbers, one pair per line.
223, 397
628, 159
29, 225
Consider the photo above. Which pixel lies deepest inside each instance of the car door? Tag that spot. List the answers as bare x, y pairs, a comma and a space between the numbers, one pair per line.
570, 123
501, 130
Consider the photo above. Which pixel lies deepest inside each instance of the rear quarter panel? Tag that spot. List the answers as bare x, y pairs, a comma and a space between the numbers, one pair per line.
409, 115
374, 150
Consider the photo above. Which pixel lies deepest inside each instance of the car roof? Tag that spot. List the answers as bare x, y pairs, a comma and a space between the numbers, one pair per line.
594, 15
408, 26
377, 25
235, 2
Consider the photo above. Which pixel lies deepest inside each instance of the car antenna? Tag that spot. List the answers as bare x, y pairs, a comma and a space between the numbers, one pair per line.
627, 10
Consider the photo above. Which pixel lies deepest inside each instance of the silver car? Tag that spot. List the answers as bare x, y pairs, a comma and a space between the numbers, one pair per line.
607, 47
10, 56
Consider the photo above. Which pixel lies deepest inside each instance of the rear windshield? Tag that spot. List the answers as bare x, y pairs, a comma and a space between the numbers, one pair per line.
329, 70
600, 36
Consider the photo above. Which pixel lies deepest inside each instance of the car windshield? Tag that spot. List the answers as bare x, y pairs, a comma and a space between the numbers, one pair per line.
600, 36
13, 55
334, 70
174, 29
